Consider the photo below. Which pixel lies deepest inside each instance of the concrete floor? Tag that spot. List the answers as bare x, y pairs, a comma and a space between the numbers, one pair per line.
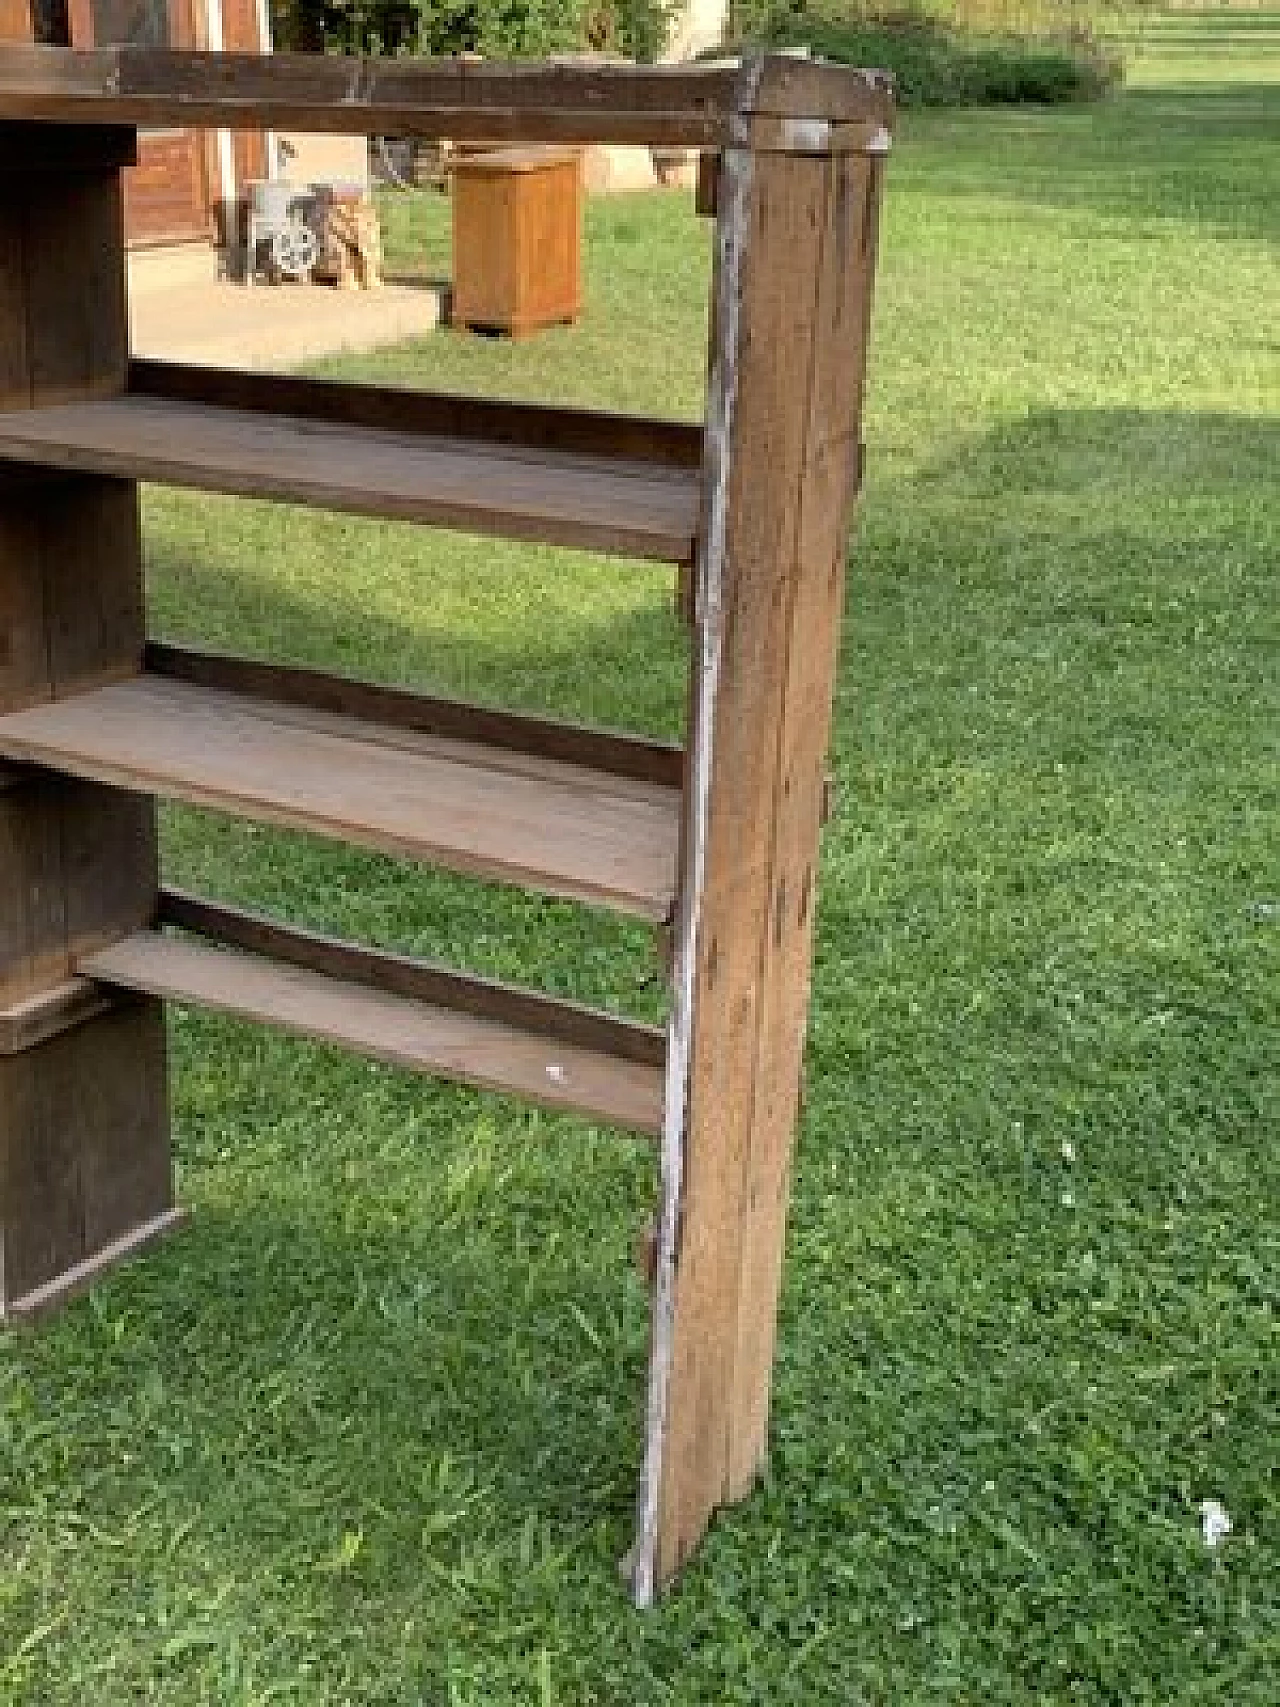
218, 324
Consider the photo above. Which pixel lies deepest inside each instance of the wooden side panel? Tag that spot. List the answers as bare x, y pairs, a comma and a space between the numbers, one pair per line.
167, 194
80, 1165
15, 388
77, 323
84, 1154
33, 944
813, 635
548, 245
794, 329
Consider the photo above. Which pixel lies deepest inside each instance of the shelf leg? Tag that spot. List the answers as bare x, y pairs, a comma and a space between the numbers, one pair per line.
795, 262
85, 1168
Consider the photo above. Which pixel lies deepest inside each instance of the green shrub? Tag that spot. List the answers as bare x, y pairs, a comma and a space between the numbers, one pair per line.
937, 63
500, 29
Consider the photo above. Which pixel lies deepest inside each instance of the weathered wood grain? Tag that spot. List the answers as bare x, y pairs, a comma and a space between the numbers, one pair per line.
428, 414
813, 623
413, 980
792, 321
555, 497
619, 755
489, 812
84, 1153
422, 1036
693, 106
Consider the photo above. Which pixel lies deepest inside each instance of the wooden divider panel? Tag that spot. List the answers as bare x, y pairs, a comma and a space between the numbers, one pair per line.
84, 1157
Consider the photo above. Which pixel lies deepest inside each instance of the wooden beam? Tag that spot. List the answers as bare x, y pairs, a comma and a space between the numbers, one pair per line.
691, 106
796, 249
591, 432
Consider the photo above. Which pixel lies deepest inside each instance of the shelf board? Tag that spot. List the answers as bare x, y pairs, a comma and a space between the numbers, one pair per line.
558, 497
565, 829
421, 1036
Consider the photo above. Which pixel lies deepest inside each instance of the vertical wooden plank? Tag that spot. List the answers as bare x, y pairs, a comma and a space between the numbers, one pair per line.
85, 1171
706, 656
81, 1172
15, 385
792, 325
766, 451
24, 659
33, 939
126, 1177
40, 1200
77, 314
91, 562
812, 639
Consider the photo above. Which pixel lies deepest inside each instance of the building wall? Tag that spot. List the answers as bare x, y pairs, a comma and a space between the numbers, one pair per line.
699, 25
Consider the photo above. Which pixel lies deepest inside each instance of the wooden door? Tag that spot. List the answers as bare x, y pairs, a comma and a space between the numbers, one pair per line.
15, 20
166, 196
242, 33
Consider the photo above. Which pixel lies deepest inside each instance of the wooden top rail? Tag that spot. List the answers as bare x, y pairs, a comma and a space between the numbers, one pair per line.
776, 102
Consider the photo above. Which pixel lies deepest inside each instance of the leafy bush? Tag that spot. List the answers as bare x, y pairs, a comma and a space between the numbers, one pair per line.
501, 29
938, 63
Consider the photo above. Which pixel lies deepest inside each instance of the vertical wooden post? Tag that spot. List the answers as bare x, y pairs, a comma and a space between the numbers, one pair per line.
795, 260
85, 1172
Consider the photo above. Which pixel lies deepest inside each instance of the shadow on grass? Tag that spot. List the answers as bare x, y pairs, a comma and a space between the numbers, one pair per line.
1099, 451
411, 1387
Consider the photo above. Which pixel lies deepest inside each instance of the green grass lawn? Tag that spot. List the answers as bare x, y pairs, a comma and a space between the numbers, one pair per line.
369, 1431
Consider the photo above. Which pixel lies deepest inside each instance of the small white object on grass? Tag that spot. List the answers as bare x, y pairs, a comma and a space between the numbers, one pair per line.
1215, 1523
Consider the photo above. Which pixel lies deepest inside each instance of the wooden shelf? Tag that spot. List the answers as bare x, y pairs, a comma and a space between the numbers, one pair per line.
518, 491
566, 829
418, 1035
717, 840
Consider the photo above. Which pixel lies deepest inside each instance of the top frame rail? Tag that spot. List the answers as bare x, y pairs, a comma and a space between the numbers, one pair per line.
776, 102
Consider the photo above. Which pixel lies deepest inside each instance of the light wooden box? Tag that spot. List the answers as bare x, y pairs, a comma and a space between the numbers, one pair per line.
517, 239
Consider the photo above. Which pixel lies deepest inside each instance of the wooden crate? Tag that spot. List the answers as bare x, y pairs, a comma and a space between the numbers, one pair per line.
517, 239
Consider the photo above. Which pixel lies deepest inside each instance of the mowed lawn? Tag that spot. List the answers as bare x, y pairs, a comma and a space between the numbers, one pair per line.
368, 1431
